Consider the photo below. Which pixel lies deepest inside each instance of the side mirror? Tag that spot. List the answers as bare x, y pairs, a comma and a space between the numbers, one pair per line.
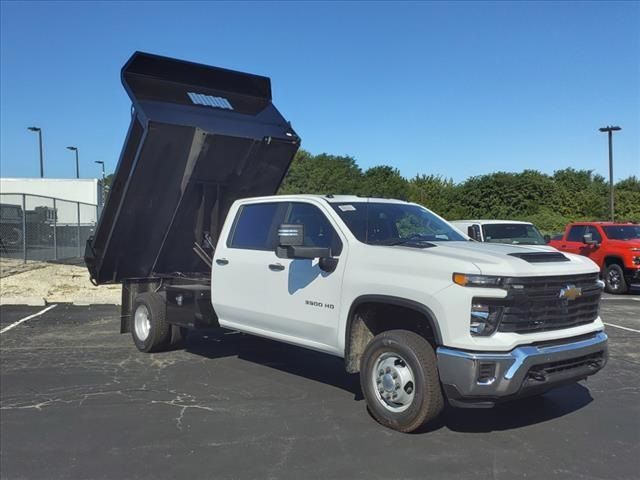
474, 232
290, 235
291, 245
547, 238
587, 238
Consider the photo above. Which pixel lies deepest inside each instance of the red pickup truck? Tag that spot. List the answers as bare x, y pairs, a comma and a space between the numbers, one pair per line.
615, 247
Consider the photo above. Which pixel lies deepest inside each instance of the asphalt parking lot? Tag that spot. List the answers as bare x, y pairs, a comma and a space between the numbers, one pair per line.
79, 401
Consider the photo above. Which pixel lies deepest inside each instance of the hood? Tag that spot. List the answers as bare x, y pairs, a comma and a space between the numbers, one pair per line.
510, 260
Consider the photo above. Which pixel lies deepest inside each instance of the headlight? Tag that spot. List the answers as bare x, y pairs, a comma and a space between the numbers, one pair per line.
477, 280
636, 260
484, 319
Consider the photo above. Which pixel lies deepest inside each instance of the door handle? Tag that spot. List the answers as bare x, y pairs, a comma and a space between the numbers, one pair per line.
276, 267
222, 261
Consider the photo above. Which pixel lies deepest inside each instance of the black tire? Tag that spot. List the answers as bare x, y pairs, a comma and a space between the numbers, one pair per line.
159, 333
419, 356
614, 280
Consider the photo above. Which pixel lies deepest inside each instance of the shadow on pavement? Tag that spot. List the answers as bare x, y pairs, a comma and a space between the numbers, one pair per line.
515, 414
320, 367
329, 370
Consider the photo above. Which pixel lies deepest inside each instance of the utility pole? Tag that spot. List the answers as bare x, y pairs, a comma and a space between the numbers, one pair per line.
39, 130
610, 130
101, 163
75, 149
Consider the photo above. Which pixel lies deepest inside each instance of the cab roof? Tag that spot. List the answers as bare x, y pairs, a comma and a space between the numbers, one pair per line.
326, 198
490, 222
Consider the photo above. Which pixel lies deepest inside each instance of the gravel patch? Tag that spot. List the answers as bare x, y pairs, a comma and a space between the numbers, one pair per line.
51, 283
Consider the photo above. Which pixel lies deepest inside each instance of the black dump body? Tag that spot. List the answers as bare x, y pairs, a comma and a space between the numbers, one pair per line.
200, 138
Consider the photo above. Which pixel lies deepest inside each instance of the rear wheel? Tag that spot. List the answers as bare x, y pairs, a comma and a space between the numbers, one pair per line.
614, 279
399, 380
149, 327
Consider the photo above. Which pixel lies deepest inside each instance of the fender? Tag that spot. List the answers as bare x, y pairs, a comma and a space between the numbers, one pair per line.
399, 301
608, 259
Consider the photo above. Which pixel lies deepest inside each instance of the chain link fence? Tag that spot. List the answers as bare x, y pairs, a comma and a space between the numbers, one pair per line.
33, 227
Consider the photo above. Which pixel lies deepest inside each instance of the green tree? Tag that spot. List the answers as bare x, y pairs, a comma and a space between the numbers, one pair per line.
434, 192
581, 194
506, 195
549, 201
384, 182
321, 174
627, 200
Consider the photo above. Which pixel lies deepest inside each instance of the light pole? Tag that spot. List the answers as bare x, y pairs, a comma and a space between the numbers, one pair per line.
610, 131
102, 165
39, 130
75, 149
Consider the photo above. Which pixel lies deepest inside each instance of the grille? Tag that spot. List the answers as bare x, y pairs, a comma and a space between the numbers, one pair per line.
533, 304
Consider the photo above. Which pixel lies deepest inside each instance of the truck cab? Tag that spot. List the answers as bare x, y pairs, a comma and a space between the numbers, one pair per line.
197, 237
614, 247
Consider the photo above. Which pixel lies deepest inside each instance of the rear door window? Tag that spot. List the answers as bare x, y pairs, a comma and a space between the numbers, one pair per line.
256, 227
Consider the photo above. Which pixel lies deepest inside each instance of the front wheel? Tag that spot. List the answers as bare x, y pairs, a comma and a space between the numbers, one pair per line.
614, 279
399, 379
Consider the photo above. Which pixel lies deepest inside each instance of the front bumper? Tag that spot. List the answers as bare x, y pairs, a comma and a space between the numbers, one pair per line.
632, 274
475, 379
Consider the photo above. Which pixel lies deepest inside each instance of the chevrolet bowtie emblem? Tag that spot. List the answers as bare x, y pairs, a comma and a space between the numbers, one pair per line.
570, 292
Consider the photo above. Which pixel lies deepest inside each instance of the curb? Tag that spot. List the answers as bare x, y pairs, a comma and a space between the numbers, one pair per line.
41, 302
29, 301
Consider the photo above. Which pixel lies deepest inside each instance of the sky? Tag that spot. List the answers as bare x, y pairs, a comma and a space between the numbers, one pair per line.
453, 89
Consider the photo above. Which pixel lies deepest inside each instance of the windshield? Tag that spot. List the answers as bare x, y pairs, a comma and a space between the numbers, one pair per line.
514, 233
395, 224
623, 232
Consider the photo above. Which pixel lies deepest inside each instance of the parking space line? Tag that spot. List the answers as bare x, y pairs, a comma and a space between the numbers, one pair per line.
621, 298
15, 324
623, 328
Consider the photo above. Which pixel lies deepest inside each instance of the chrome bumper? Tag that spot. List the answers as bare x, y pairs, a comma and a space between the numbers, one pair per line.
479, 379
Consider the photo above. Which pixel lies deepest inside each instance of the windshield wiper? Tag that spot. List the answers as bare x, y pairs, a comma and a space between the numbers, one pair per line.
416, 239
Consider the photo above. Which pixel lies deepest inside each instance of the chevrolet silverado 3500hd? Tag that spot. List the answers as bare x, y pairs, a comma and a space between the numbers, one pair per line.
195, 235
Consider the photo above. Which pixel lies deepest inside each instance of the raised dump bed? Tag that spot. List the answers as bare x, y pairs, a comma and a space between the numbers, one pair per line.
200, 138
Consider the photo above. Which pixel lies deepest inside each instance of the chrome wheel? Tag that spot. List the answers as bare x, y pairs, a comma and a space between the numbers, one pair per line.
394, 382
614, 278
141, 322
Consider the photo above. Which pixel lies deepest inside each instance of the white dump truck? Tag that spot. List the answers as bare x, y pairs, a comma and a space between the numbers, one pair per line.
195, 235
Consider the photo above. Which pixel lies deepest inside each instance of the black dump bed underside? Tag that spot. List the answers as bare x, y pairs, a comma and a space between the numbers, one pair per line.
200, 138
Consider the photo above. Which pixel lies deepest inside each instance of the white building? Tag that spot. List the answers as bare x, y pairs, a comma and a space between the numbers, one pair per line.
85, 190
40, 192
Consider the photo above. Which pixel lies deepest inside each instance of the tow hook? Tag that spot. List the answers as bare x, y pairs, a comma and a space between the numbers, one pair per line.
538, 376
595, 364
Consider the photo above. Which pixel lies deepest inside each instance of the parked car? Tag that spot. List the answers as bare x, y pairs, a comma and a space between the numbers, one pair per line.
614, 247
194, 232
501, 231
